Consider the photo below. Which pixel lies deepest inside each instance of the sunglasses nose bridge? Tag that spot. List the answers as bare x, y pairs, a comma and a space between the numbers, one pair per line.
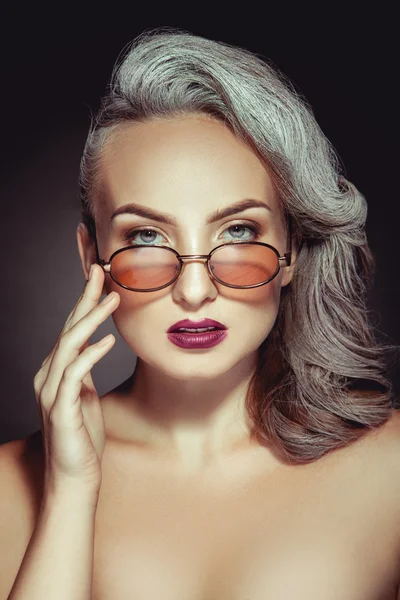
193, 256
183, 258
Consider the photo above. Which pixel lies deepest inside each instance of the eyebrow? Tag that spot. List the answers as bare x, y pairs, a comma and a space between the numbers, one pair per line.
220, 213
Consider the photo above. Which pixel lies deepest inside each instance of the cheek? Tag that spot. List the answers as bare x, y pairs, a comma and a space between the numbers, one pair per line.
264, 297
141, 314
252, 313
130, 301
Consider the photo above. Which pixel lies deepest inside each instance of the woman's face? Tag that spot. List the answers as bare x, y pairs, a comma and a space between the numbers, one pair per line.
189, 166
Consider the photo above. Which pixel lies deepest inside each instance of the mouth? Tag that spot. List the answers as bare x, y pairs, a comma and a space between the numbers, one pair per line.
188, 326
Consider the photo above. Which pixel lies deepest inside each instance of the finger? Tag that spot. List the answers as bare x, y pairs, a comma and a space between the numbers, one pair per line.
67, 407
71, 345
87, 300
65, 327
41, 376
75, 407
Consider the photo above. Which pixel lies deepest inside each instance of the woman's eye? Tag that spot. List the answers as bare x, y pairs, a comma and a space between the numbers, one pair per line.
237, 231
145, 235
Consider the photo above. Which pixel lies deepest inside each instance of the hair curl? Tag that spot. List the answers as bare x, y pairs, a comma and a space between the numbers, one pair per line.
321, 380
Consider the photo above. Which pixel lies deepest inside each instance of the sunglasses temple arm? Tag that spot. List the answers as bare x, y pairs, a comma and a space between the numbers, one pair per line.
288, 255
99, 260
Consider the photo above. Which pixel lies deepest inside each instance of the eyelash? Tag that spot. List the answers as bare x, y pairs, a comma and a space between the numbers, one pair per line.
254, 228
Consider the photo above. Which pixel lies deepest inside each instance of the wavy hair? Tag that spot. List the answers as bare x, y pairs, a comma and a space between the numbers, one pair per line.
321, 381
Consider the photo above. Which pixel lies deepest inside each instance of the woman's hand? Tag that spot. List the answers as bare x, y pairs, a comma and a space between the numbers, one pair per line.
71, 415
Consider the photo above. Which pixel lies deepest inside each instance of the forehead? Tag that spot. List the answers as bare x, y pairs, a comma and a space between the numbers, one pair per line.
181, 165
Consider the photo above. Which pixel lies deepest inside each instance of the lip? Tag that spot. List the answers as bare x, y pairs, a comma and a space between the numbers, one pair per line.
196, 324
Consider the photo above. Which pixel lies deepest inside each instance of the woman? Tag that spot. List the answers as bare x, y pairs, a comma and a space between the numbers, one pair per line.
253, 451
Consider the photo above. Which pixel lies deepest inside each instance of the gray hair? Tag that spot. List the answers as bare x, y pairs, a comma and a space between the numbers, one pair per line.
321, 381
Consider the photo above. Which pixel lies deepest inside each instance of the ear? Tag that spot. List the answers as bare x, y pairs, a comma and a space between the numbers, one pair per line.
87, 250
287, 272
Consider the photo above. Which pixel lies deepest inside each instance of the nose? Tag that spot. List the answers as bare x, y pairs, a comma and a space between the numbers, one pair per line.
194, 284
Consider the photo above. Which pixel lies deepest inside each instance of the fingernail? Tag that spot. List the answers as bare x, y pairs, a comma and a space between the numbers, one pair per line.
91, 272
106, 340
108, 298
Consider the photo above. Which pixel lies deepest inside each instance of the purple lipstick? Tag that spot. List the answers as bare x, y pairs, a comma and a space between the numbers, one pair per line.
197, 334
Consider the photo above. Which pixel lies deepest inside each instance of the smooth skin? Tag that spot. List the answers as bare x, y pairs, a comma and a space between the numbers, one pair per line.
71, 415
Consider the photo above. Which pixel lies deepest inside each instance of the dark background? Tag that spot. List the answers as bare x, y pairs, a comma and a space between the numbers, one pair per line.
55, 63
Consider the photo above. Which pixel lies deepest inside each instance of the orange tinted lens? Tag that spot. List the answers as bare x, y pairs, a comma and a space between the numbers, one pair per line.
144, 268
241, 264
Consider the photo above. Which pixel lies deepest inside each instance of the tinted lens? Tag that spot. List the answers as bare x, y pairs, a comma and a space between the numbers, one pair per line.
244, 264
143, 268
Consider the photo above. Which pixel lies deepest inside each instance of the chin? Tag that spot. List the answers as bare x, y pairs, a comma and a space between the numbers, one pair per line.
191, 368
200, 366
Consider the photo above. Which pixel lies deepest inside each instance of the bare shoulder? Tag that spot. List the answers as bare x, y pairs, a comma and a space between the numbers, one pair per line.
387, 438
383, 449
21, 471
393, 423
21, 485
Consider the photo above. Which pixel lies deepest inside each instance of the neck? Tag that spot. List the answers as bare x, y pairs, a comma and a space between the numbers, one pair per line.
194, 422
